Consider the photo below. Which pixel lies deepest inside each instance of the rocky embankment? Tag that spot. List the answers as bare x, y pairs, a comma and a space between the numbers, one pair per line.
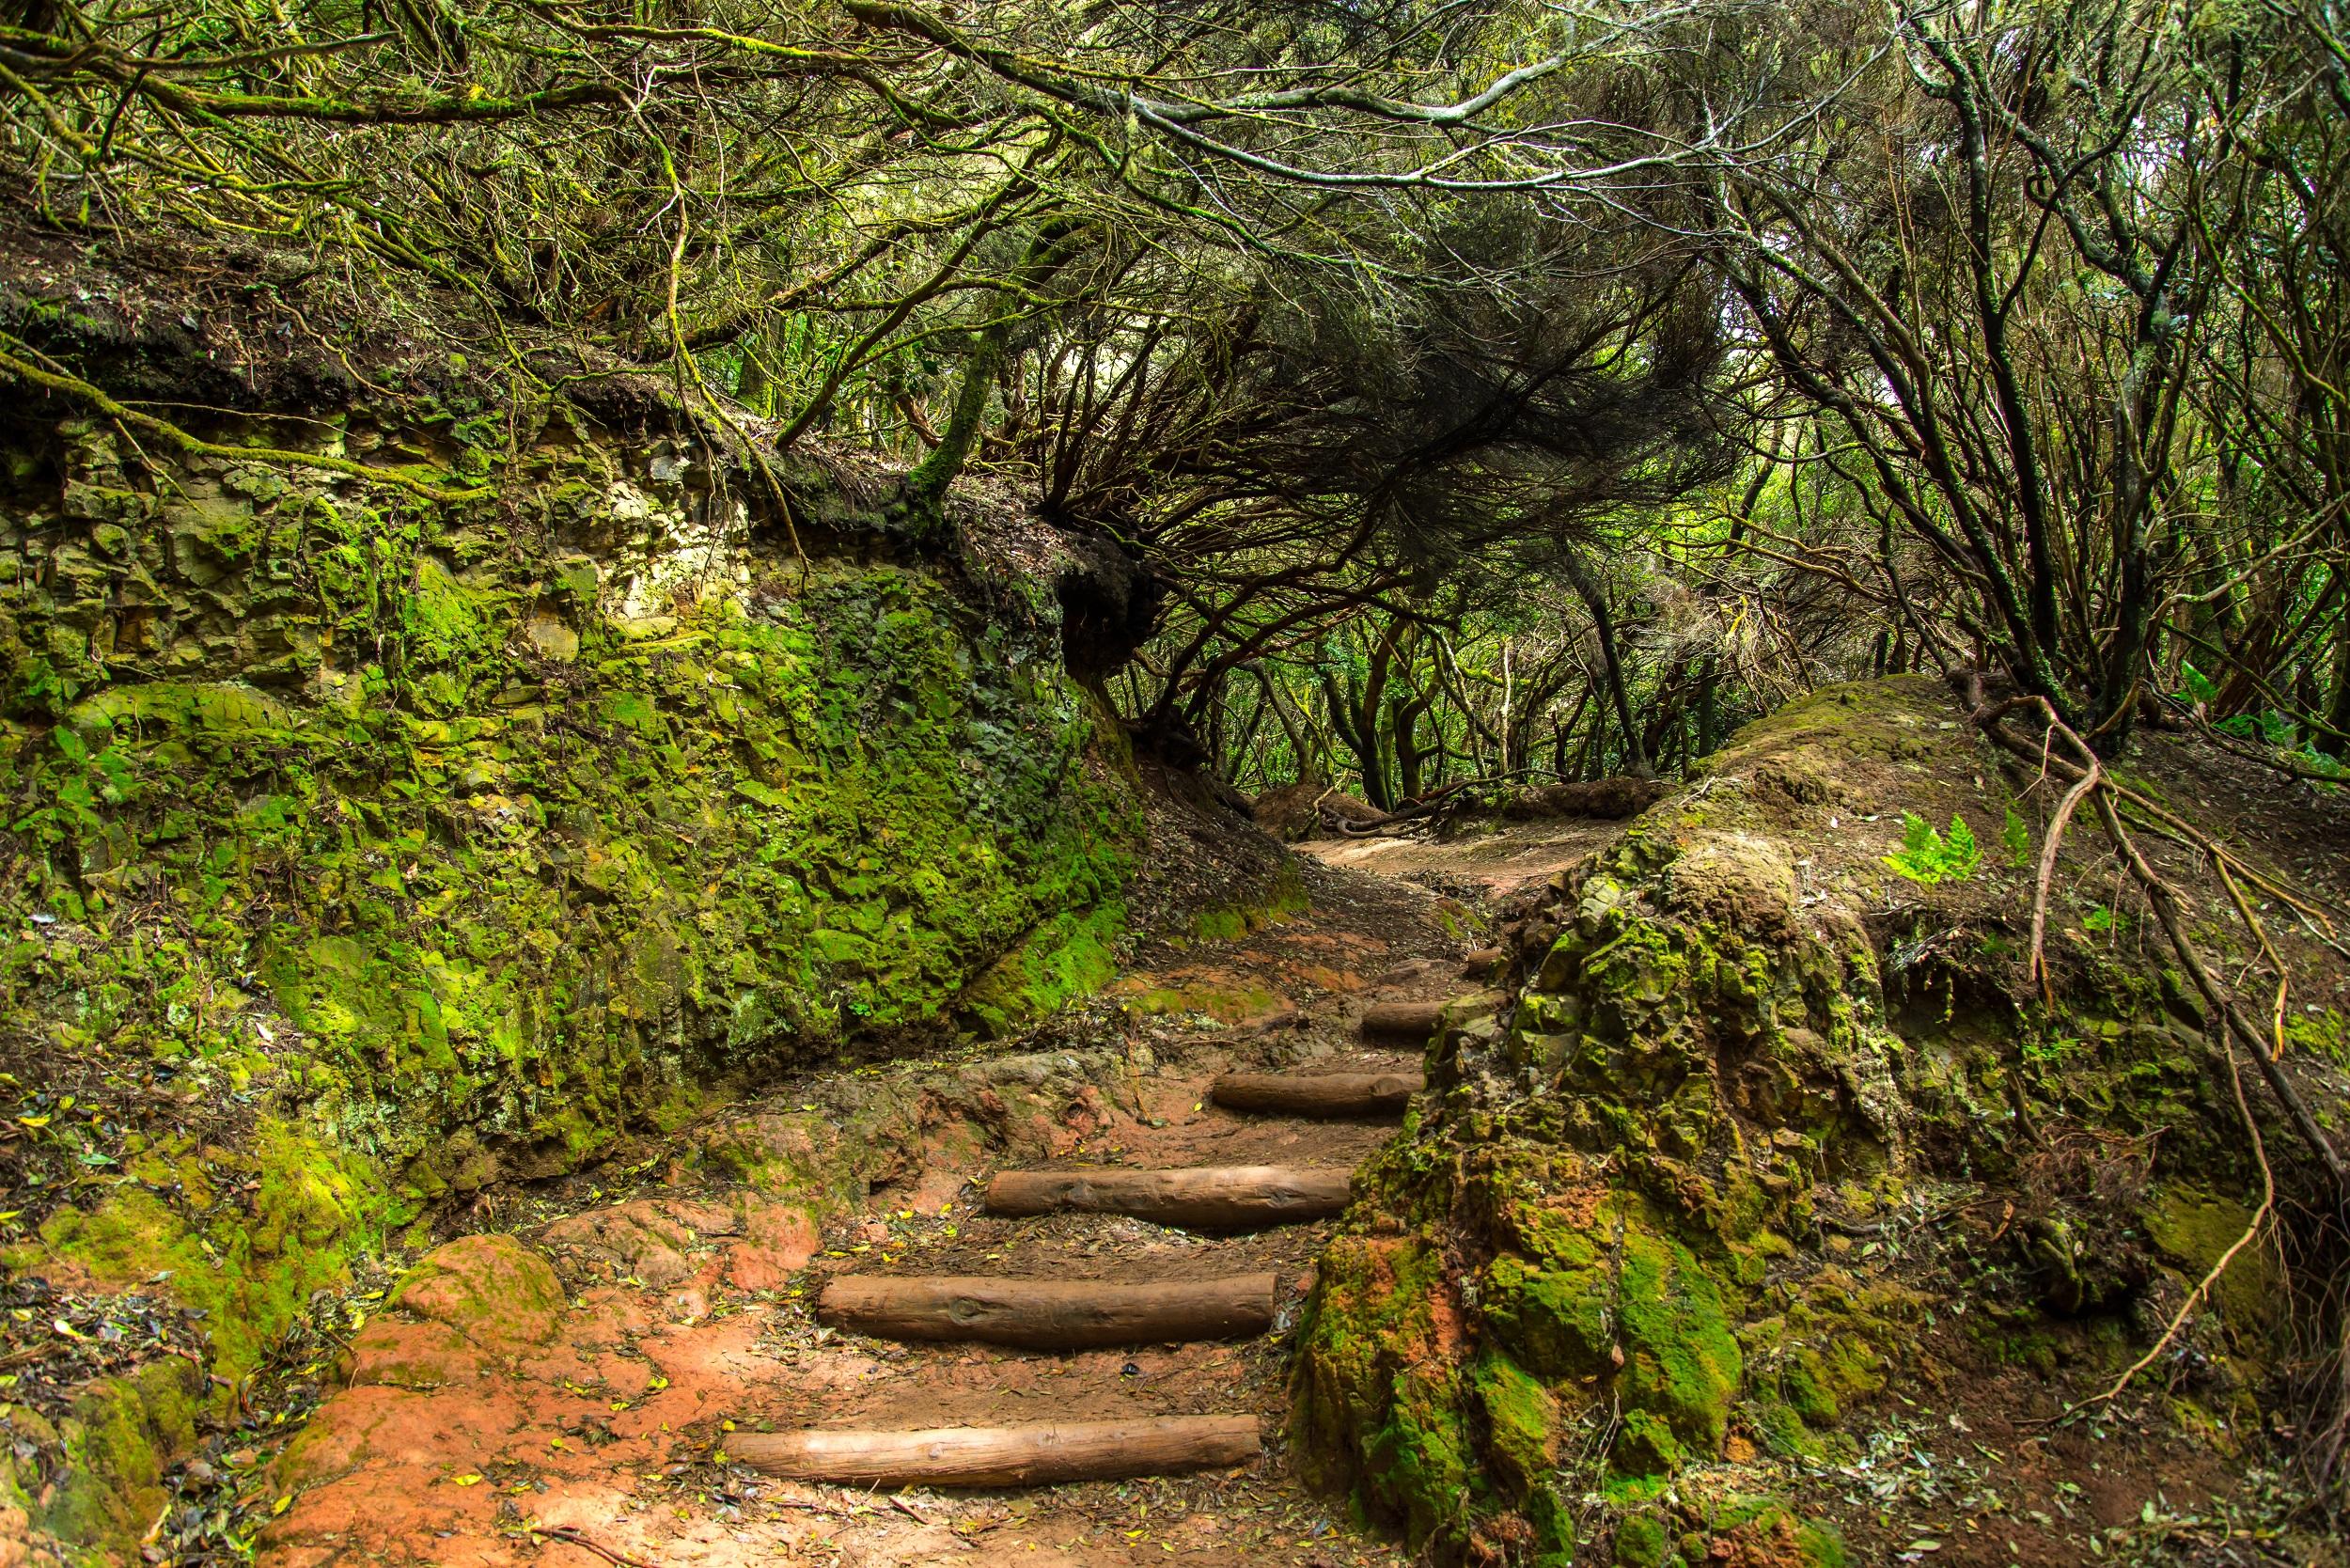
476, 801
1774, 1218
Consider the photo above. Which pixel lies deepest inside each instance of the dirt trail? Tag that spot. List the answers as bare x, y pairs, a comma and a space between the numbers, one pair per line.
1492, 862
565, 1394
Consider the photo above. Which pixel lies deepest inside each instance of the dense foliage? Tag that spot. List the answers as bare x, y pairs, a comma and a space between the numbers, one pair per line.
1526, 386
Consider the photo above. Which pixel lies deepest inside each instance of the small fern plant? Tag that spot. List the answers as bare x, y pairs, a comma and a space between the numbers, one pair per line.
1928, 857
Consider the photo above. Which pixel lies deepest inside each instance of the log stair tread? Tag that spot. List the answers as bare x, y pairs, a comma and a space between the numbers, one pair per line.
1318, 1094
1207, 1198
1034, 1453
1049, 1314
1065, 1314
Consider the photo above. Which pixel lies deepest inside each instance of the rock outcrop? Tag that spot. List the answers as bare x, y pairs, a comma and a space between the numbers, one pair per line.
1617, 1251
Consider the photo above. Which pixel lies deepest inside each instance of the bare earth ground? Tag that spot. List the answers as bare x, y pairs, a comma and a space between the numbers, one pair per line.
594, 1431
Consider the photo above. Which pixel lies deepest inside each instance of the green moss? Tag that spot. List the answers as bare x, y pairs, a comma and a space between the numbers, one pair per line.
1227, 1004
1645, 1313
1646, 1446
1558, 1322
1685, 1363
1640, 1542
124, 1432
1426, 1462
251, 1269
1363, 1405
2193, 1229
1286, 898
1769, 1526
1069, 956
1520, 1418
2325, 1033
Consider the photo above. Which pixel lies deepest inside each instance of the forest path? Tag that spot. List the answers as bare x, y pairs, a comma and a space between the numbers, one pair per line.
565, 1394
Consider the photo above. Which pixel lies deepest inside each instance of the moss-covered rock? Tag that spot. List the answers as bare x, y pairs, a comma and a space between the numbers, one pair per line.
124, 1433
532, 886
1617, 1207
493, 1290
301, 1212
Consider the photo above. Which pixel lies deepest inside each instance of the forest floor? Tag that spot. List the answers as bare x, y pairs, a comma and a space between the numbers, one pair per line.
564, 1390
1488, 863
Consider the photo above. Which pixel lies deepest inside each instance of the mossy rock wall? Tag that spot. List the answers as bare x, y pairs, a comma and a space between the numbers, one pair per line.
1599, 1255
395, 846
517, 819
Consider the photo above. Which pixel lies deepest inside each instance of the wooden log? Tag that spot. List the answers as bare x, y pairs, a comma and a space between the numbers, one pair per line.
1037, 1454
1212, 1197
1050, 1314
1403, 1022
1318, 1094
1480, 963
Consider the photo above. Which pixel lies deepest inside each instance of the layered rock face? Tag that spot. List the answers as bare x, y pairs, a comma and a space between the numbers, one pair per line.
499, 823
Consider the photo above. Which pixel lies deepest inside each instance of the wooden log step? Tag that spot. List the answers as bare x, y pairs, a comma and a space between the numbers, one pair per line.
1049, 1314
1318, 1094
1036, 1454
1209, 1198
1401, 1023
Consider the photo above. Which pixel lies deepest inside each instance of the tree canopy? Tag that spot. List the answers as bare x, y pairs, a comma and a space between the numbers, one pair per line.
1537, 386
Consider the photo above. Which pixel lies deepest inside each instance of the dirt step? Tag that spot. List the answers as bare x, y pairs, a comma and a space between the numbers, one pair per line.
1207, 1198
1323, 1095
1040, 1454
1049, 1314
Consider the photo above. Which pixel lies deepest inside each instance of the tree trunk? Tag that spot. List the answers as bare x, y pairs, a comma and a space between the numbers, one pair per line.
1594, 597
2336, 745
1052, 249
